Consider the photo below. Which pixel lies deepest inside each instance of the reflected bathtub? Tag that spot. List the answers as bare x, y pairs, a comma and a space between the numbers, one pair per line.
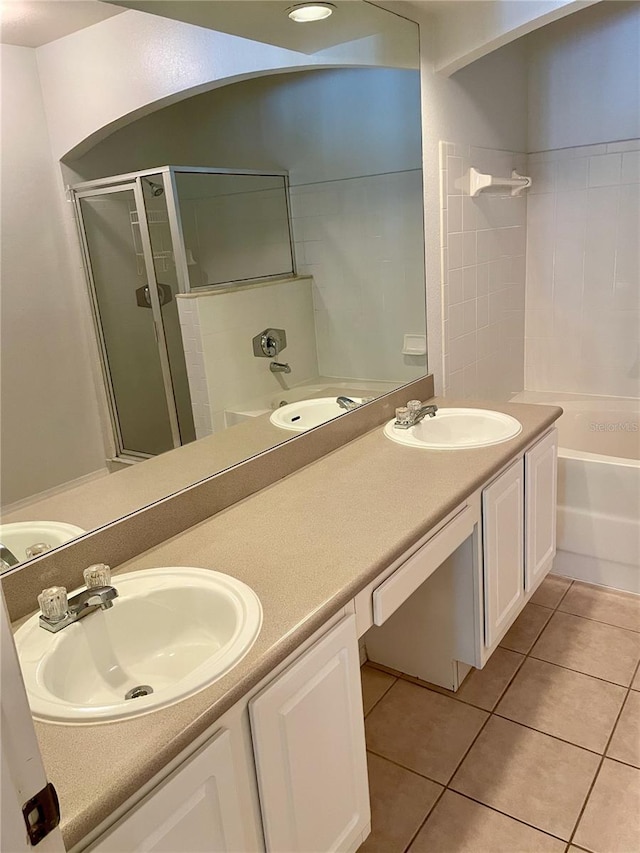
598, 488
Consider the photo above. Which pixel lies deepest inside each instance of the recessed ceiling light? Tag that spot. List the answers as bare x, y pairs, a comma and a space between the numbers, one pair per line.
310, 12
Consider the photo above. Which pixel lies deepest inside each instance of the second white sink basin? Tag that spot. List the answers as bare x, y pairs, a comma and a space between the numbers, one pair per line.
457, 429
19, 536
306, 414
174, 630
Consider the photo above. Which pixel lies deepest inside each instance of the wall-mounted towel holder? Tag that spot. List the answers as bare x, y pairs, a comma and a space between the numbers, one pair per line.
479, 182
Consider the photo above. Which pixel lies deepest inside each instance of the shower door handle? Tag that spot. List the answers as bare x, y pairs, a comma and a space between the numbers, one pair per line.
143, 297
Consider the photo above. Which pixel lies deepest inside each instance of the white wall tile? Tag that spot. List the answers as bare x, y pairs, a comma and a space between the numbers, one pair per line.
604, 170
484, 271
582, 329
626, 145
572, 174
631, 167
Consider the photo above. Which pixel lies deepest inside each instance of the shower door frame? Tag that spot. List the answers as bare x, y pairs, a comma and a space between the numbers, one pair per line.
79, 192
133, 180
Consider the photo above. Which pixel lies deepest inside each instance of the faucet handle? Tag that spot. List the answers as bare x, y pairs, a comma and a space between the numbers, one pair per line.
97, 575
414, 406
53, 603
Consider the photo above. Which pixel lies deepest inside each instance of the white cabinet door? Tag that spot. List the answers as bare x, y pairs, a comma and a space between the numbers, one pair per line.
308, 736
503, 550
22, 774
540, 477
196, 809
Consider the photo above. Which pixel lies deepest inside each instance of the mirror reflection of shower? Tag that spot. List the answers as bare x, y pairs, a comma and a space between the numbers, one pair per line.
149, 238
156, 189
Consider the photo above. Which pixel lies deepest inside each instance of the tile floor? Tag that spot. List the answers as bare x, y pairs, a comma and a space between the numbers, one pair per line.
539, 752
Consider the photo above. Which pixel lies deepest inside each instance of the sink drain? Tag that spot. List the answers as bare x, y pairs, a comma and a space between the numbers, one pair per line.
140, 690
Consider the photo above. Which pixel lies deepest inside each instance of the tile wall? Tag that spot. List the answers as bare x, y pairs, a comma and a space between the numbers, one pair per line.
362, 240
483, 276
583, 291
217, 330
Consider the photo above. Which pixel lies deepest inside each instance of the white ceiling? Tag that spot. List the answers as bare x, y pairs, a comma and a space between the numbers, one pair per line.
31, 23
267, 20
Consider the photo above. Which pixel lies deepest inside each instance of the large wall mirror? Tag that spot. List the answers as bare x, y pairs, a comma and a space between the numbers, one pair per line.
247, 249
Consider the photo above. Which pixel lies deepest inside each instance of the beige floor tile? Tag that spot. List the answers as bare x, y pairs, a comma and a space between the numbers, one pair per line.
560, 702
590, 647
605, 605
483, 687
611, 820
400, 801
526, 629
625, 743
374, 685
528, 775
551, 590
422, 730
636, 681
458, 825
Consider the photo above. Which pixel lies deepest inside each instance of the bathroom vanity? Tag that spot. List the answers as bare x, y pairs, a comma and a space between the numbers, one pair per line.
425, 557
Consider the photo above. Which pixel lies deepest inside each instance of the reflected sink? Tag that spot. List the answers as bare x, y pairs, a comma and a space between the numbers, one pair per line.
457, 429
21, 535
175, 630
306, 414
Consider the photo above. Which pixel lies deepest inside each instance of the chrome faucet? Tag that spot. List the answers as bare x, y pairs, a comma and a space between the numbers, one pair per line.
279, 367
7, 558
347, 403
58, 612
413, 414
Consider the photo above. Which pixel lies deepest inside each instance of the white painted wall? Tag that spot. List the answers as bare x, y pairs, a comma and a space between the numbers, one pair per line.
320, 126
139, 62
484, 105
584, 78
350, 140
218, 328
468, 30
50, 428
583, 278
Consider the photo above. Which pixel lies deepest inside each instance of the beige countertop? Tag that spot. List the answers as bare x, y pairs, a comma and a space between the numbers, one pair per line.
107, 497
306, 545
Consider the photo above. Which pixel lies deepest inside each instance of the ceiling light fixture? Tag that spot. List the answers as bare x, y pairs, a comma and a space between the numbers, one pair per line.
310, 12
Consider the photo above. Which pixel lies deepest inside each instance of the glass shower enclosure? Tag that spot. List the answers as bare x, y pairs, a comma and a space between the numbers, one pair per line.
147, 237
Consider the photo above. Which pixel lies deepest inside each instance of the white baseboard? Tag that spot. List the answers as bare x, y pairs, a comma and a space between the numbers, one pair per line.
56, 490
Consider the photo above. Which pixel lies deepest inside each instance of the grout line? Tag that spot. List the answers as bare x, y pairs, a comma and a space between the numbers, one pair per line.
578, 672
546, 734
599, 621
604, 755
564, 594
404, 767
379, 697
446, 786
505, 814
620, 761
493, 713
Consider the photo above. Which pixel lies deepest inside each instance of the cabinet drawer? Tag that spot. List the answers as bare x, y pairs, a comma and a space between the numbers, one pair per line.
397, 588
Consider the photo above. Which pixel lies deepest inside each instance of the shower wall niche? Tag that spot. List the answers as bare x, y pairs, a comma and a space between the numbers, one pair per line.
149, 237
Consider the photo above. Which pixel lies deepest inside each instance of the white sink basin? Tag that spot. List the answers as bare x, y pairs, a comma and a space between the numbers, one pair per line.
306, 414
457, 429
20, 535
176, 630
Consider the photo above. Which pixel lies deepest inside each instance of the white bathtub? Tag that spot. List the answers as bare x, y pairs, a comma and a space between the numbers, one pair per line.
598, 488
